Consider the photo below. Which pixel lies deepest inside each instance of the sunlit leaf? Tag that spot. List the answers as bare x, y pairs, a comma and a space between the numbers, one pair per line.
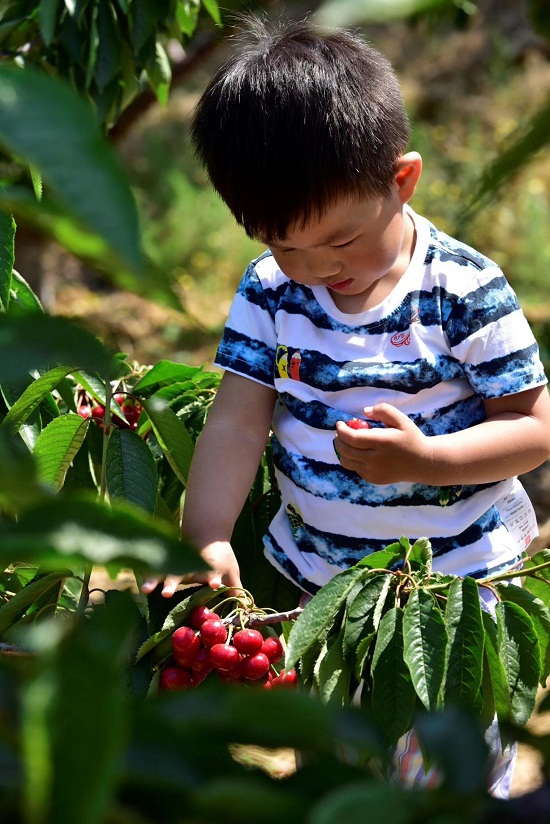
465, 637
539, 615
57, 445
33, 395
425, 640
319, 614
333, 675
520, 653
172, 435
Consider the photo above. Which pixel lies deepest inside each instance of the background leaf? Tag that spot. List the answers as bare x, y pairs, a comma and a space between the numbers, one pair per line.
131, 470
56, 447
7, 235
172, 435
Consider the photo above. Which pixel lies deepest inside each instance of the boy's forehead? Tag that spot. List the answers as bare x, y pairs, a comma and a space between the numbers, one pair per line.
336, 223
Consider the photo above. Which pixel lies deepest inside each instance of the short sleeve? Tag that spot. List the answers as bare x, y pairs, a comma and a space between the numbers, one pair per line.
249, 340
490, 336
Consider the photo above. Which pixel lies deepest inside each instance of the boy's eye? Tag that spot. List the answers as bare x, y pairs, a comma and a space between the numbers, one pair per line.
343, 245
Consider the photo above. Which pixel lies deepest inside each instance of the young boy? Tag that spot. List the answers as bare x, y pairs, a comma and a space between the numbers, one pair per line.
360, 308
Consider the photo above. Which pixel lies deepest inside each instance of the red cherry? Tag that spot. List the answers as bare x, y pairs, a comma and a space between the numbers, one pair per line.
213, 632
357, 423
224, 656
131, 412
202, 664
84, 411
231, 675
273, 648
98, 411
119, 398
185, 645
197, 678
199, 615
248, 641
285, 679
257, 666
174, 678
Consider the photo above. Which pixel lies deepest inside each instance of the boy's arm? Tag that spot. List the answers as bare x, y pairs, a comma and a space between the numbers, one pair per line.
514, 439
225, 462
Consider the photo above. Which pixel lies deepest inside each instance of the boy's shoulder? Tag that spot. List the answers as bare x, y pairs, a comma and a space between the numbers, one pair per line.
444, 249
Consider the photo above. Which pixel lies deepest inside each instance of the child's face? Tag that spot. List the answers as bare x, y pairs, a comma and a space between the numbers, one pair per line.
356, 243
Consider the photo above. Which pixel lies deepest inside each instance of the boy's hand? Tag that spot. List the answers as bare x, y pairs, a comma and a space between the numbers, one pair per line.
225, 571
384, 455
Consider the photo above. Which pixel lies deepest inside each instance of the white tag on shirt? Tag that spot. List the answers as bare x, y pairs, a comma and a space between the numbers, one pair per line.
516, 510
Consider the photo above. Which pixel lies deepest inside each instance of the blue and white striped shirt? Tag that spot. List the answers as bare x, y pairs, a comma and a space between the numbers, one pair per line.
450, 334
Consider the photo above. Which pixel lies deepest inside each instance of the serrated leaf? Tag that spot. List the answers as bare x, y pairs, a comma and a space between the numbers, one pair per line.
425, 641
393, 696
7, 236
16, 607
540, 616
56, 447
358, 621
421, 553
319, 614
69, 531
166, 373
465, 637
172, 435
519, 651
333, 674
131, 470
33, 395
497, 672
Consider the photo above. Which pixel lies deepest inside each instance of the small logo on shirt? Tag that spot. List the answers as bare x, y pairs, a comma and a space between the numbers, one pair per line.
288, 362
404, 338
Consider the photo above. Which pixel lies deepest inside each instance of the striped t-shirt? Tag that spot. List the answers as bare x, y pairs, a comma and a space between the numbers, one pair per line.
450, 334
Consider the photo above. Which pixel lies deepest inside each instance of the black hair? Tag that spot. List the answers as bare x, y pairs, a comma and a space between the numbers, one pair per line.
296, 119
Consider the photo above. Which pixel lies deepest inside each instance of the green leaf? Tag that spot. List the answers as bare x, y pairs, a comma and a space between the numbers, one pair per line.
159, 73
333, 675
18, 482
213, 10
131, 470
45, 122
425, 641
108, 48
368, 801
143, 19
172, 435
383, 559
495, 672
520, 653
23, 300
319, 614
17, 606
40, 342
393, 695
421, 553
7, 236
167, 373
187, 12
48, 11
358, 622
465, 637
56, 447
67, 531
33, 395
540, 616
360, 12
79, 688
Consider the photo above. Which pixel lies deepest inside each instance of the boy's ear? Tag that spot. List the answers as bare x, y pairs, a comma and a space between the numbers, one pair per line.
409, 169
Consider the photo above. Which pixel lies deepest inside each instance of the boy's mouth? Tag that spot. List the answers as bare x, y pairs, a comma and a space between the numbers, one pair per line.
342, 284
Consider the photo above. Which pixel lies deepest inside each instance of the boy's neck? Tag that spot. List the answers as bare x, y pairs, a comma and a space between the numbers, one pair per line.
375, 294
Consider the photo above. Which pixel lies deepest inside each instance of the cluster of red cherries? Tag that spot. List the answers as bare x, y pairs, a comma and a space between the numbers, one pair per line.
129, 407
207, 645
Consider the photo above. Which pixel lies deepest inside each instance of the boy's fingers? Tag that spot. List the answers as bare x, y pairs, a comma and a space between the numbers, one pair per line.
388, 415
149, 585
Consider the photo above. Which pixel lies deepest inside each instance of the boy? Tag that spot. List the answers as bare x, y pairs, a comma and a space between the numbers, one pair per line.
360, 308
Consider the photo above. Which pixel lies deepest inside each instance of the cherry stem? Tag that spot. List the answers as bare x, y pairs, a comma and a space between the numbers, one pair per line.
262, 620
